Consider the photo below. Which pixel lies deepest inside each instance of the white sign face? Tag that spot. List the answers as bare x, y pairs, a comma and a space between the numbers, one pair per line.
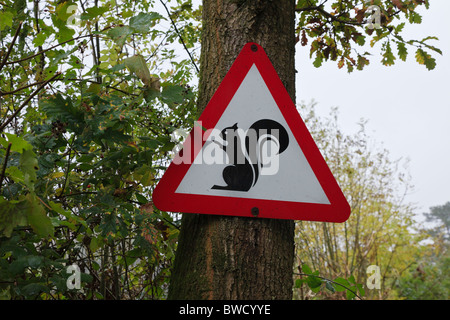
272, 168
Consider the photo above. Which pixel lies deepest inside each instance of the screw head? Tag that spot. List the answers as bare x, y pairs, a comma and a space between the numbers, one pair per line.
254, 47
255, 211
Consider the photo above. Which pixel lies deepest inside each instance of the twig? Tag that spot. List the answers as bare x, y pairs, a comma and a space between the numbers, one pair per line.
31, 96
320, 9
68, 167
326, 279
20, 89
329, 15
179, 36
10, 46
50, 48
8, 149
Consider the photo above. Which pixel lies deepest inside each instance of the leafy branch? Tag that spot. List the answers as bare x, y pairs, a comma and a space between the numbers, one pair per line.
5, 163
50, 48
329, 15
315, 282
5, 58
179, 36
28, 99
332, 33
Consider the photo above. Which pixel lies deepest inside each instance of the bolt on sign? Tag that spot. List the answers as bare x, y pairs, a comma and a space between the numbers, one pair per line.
250, 154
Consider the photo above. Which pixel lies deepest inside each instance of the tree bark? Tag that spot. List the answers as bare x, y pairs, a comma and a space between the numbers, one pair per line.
222, 257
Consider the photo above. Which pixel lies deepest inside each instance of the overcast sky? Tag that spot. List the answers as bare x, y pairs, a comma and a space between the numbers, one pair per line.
407, 106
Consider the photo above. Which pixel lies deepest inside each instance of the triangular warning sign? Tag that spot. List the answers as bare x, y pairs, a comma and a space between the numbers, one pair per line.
251, 154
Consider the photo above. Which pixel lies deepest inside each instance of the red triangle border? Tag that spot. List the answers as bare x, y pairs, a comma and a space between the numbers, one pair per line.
166, 199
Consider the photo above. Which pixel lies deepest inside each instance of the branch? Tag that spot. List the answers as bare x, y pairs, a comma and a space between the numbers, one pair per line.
179, 36
8, 149
329, 15
337, 283
336, 18
31, 96
67, 171
53, 47
20, 89
3, 63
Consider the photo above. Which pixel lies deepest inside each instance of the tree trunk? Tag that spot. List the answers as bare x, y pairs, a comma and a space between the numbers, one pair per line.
221, 257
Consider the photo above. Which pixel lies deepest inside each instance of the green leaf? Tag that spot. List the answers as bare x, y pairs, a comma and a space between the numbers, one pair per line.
6, 19
5, 294
18, 144
429, 38
85, 277
388, 56
62, 109
361, 290
400, 27
57, 207
318, 61
137, 65
306, 269
433, 48
173, 94
425, 59
26, 210
119, 34
302, 3
35, 261
60, 21
94, 88
299, 282
39, 39
15, 174
57, 57
86, 157
38, 218
361, 62
94, 12
415, 17
11, 216
402, 51
314, 283
143, 21
33, 289
350, 295
28, 164
314, 47
330, 286
351, 279
95, 244
342, 283
18, 265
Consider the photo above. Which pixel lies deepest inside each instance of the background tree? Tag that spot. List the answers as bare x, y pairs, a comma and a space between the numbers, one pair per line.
427, 278
380, 230
440, 215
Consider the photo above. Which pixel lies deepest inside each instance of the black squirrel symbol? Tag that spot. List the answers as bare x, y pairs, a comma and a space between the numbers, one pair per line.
246, 158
